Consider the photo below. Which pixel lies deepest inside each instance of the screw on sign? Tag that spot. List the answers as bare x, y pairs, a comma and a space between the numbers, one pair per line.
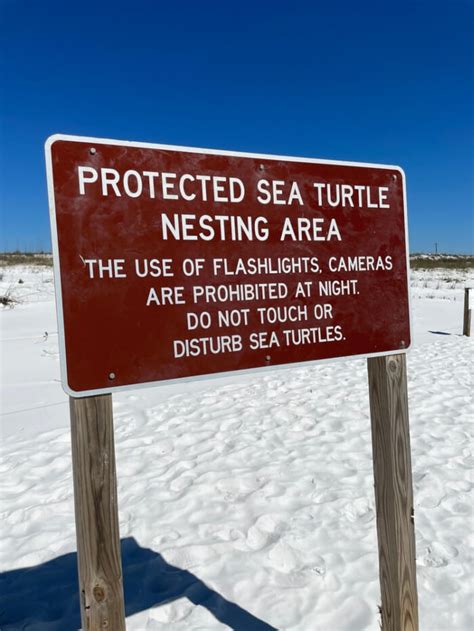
175, 263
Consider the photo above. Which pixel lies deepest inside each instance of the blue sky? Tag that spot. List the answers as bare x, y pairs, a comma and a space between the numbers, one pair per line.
363, 81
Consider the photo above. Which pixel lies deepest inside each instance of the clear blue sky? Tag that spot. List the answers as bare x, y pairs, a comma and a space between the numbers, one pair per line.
365, 81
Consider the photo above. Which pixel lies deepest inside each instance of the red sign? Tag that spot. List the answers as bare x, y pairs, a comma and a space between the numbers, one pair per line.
173, 262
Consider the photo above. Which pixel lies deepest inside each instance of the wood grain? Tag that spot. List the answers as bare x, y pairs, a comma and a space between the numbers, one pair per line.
97, 529
393, 491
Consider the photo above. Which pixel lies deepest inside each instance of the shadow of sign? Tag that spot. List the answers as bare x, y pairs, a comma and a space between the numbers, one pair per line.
46, 596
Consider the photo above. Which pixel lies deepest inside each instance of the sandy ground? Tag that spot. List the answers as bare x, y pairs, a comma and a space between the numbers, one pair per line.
245, 503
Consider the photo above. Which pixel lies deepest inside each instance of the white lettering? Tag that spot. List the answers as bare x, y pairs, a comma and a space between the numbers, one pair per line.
93, 177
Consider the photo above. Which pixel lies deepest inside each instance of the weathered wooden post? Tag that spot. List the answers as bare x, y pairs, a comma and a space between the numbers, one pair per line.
393, 491
96, 508
466, 328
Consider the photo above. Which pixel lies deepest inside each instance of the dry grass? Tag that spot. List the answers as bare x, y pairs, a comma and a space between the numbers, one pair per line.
7, 300
442, 261
7, 259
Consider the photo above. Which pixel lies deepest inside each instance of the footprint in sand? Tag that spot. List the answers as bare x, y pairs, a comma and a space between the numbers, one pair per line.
168, 537
283, 558
429, 500
237, 489
169, 613
459, 504
182, 483
266, 530
289, 568
359, 510
437, 555
190, 556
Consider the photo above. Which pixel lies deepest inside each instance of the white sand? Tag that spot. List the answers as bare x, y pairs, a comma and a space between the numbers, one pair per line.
260, 490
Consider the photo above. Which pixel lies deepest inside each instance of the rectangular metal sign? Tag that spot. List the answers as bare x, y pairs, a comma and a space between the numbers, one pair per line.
177, 262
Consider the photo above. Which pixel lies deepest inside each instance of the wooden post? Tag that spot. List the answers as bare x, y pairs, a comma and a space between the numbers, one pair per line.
393, 491
466, 327
97, 528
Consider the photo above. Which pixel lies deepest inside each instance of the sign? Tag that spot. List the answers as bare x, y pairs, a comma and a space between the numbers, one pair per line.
176, 262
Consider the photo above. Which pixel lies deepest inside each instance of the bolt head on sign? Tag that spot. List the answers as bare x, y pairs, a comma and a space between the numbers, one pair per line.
177, 263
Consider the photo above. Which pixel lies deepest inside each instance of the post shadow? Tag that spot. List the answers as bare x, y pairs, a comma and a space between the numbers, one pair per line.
46, 597
439, 332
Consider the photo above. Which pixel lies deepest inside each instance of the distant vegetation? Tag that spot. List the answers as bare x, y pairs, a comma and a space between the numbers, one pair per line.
446, 261
7, 259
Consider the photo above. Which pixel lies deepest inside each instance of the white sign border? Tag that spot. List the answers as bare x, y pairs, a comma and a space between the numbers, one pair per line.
240, 154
